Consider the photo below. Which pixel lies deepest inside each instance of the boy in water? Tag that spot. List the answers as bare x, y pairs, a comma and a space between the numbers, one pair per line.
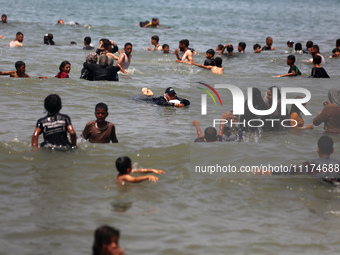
20, 67
100, 130
54, 126
217, 69
335, 53
87, 42
268, 46
318, 71
124, 167
257, 48
3, 18
106, 241
154, 42
230, 49
19, 38
154, 23
293, 70
125, 58
241, 47
210, 61
166, 48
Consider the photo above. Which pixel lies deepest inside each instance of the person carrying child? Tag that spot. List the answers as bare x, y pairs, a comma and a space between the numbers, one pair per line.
124, 168
100, 130
54, 126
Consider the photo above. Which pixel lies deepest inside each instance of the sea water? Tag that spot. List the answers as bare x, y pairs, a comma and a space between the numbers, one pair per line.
52, 201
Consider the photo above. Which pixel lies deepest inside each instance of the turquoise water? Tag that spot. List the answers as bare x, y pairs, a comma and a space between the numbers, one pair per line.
52, 201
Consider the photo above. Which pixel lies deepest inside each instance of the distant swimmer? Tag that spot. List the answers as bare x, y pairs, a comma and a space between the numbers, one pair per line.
48, 39
54, 126
290, 44
241, 47
153, 23
335, 53
18, 40
166, 48
125, 58
298, 48
309, 45
61, 22
293, 70
216, 69
210, 61
20, 72
3, 18
315, 50
219, 47
230, 50
187, 56
268, 46
124, 168
64, 70
257, 48
87, 43
168, 99
100, 130
154, 42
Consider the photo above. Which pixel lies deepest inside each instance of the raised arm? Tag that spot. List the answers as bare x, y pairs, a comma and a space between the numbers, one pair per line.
196, 124
226, 116
129, 178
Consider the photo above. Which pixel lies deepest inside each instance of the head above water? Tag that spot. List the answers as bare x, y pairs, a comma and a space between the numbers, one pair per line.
241, 46
210, 134
19, 37
123, 164
218, 62
18, 64
4, 18
87, 40
104, 237
52, 104
298, 46
91, 58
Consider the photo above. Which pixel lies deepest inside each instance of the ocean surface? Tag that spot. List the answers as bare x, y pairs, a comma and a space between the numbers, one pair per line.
52, 201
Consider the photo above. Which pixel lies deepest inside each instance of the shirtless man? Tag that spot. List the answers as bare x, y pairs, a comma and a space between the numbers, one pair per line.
217, 69
20, 67
18, 40
187, 56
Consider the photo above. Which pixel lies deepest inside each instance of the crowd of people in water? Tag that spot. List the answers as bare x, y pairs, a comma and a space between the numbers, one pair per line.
55, 126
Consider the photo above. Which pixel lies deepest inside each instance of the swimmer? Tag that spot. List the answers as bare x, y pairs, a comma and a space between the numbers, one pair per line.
318, 71
217, 69
64, 70
298, 48
153, 23
210, 133
106, 241
125, 58
210, 61
18, 40
257, 48
335, 53
154, 42
293, 70
290, 44
3, 18
219, 48
309, 45
48, 39
124, 168
54, 126
187, 56
268, 46
230, 49
168, 99
20, 72
61, 22
241, 47
87, 42
166, 48
315, 50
